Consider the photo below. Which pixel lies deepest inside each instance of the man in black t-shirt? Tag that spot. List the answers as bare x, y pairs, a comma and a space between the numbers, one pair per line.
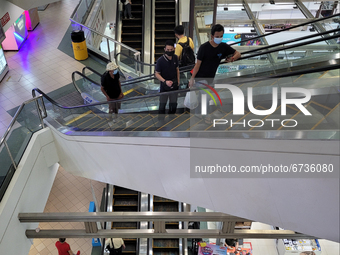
209, 57
211, 53
111, 87
167, 72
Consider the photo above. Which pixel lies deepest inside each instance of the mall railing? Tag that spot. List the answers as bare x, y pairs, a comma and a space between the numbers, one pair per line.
97, 42
27, 120
291, 55
329, 23
140, 113
288, 57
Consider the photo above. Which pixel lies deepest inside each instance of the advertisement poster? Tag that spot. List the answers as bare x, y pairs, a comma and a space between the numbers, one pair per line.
211, 249
231, 38
250, 42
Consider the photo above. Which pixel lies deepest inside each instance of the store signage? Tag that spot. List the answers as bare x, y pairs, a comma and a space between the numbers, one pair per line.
4, 20
250, 39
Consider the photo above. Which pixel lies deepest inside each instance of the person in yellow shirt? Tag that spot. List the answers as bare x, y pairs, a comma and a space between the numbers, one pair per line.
182, 39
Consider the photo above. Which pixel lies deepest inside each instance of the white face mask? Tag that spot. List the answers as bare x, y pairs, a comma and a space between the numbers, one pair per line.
217, 40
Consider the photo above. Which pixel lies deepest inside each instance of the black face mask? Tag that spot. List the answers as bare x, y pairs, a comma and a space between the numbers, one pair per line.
170, 53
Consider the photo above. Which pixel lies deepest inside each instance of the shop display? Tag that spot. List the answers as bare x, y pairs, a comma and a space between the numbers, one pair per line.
3, 64
296, 246
213, 249
32, 18
16, 34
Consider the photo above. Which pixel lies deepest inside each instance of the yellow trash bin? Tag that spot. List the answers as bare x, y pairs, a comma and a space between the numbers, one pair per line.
79, 45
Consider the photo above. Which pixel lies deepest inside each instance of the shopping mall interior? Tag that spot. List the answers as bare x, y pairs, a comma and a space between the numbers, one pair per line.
68, 170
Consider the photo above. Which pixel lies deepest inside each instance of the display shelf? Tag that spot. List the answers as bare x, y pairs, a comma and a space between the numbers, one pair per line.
296, 246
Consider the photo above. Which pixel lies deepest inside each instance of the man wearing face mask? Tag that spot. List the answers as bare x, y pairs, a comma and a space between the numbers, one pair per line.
112, 89
209, 57
167, 72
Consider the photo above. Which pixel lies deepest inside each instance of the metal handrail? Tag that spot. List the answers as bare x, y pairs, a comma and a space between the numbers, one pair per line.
289, 47
107, 37
147, 77
314, 70
188, 68
293, 40
91, 69
11, 124
286, 29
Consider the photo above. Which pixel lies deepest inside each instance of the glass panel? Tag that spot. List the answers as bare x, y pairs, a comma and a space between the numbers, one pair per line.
81, 10
27, 122
96, 77
6, 170
142, 114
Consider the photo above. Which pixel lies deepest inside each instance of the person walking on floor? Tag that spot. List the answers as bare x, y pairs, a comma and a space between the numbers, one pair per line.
167, 72
64, 248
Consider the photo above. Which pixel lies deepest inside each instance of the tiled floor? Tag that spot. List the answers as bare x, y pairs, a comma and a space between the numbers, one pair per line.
69, 194
40, 64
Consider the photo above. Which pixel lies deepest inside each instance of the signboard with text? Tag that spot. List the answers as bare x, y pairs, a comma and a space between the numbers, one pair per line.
4, 20
251, 41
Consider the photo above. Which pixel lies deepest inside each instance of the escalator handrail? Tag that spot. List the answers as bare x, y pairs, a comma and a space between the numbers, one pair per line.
286, 29
293, 40
142, 63
15, 117
107, 37
91, 69
287, 74
246, 57
122, 82
188, 68
84, 76
288, 47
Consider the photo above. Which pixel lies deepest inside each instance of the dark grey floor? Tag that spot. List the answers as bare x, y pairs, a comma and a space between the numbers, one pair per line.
92, 61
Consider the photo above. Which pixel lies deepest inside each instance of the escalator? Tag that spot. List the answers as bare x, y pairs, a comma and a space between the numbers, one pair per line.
166, 246
140, 113
140, 106
126, 200
132, 29
165, 22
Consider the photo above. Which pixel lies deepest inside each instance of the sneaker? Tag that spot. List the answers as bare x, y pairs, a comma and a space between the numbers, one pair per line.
78, 252
132, 17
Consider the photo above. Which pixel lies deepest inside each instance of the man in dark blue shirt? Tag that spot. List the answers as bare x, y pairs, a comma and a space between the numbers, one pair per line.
167, 72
